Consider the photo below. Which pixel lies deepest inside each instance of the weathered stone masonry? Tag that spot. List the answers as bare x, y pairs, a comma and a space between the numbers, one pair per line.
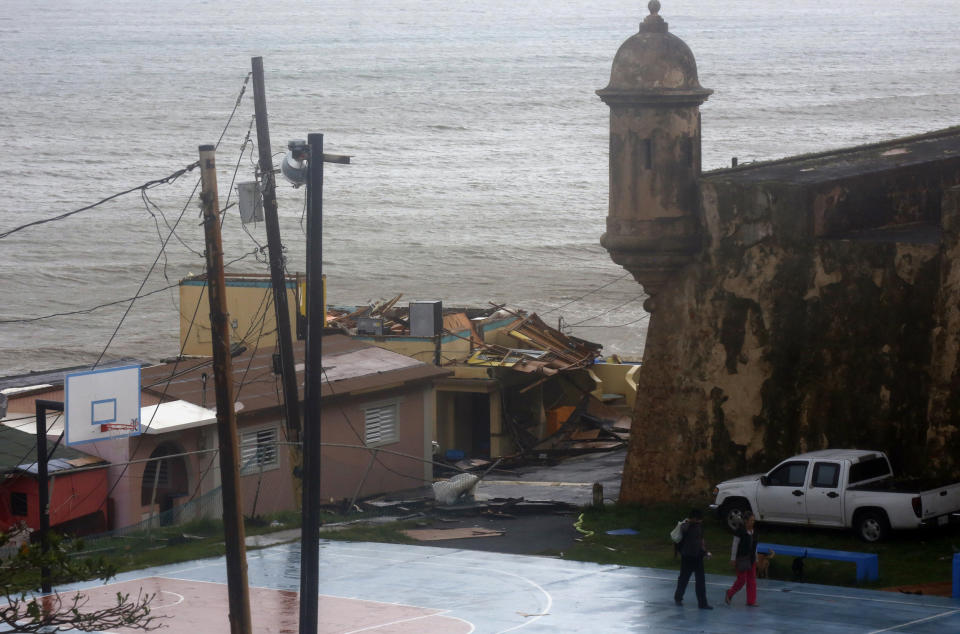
795, 305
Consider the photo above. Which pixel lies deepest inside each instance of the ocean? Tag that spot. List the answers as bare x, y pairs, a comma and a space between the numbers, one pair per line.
478, 145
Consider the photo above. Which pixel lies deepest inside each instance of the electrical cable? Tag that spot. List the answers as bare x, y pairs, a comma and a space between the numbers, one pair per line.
373, 450
587, 294
641, 296
629, 323
87, 310
82, 311
148, 203
193, 319
148, 185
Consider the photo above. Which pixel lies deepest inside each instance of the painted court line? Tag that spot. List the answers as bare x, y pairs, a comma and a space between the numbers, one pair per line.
459, 566
200, 606
929, 618
410, 620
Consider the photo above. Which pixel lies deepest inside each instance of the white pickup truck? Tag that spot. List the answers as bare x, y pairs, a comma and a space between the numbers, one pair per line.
840, 488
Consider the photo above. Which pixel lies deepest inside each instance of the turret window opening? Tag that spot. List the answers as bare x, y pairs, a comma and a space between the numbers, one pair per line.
648, 154
687, 149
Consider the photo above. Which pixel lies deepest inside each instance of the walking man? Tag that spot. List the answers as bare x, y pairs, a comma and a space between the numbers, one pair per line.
693, 549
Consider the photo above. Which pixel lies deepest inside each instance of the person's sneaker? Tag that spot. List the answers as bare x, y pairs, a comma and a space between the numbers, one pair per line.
678, 601
726, 598
753, 605
706, 606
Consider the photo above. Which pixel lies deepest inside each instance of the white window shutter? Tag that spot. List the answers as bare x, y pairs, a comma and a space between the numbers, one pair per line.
380, 425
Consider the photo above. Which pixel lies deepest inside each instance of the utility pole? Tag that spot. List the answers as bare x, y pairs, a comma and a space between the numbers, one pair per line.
41, 408
237, 588
291, 397
310, 526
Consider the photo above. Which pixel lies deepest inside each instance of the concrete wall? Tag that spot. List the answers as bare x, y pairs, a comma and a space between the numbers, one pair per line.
350, 470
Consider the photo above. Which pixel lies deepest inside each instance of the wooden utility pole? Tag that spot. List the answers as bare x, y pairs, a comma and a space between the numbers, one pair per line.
291, 397
237, 588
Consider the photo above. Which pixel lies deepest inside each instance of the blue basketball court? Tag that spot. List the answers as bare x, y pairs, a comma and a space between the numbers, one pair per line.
390, 588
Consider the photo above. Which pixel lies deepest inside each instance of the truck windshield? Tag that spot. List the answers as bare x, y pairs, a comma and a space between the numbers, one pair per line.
869, 469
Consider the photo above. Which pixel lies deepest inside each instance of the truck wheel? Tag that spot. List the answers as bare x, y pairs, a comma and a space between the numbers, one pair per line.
871, 526
733, 513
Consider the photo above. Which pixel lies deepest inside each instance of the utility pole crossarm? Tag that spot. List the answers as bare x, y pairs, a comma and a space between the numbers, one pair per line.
343, 159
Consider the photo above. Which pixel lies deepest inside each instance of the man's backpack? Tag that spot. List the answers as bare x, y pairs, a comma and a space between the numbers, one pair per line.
677, 533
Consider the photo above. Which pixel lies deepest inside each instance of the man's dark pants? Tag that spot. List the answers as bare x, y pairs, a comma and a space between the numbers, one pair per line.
688, 566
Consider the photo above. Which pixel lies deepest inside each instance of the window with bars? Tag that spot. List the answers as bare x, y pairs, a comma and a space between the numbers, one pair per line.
380, 425
258, 450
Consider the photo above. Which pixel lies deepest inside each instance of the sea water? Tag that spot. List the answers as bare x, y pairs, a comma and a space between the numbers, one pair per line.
478, 144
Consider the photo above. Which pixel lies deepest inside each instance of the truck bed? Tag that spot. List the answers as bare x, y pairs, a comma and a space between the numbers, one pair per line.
915, 486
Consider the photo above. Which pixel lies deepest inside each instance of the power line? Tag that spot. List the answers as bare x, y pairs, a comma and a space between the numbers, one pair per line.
148, 185
373, 450
587, 294
81, 311
199, 296
629, 301
87, 310
629, 323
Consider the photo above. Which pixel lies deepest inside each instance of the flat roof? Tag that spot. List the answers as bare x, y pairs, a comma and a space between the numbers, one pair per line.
833, 165
155, 419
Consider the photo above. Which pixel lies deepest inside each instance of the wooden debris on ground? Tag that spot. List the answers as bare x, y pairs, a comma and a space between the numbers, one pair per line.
438, 534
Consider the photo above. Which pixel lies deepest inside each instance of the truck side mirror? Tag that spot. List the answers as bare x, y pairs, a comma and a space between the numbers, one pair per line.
764, 480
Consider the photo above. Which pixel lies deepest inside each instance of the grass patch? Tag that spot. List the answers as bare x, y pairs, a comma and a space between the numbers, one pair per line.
906, 557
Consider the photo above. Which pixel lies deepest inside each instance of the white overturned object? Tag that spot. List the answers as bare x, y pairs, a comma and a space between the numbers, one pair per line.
460, 485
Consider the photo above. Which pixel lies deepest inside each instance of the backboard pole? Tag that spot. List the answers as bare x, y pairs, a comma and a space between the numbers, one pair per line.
237, 588
42, 406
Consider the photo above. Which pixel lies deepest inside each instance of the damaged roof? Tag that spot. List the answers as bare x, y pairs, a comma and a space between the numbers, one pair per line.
18, 452
546, 350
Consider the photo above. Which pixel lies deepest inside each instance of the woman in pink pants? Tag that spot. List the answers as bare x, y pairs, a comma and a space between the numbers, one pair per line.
743, 558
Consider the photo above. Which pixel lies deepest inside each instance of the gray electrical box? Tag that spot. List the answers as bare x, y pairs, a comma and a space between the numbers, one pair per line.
370, 326
251, 202
426, 318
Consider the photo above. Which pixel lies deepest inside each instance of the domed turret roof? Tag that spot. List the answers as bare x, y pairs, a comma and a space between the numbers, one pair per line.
654, 66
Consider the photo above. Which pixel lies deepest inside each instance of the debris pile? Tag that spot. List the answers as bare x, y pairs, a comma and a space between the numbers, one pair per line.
592, 426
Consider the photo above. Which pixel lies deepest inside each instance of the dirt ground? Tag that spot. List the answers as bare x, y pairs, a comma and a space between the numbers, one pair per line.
540, 534
936, 589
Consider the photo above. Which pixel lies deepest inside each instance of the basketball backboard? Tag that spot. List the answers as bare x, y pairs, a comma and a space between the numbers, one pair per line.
102, 404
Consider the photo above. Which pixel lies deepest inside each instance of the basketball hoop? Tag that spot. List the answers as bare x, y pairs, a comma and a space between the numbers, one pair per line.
105, 427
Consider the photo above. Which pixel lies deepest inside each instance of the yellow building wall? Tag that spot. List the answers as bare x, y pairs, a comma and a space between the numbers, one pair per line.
423, 348
616, 378
252, 317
